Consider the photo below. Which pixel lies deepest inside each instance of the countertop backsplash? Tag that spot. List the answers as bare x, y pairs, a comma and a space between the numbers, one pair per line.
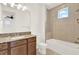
14, 34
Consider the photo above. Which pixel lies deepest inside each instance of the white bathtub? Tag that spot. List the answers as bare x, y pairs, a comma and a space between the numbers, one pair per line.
63, 47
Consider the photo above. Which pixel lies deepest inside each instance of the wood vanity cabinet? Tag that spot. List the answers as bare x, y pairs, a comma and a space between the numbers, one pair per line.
19, 47
4, 52
19, 50
32, 46
3, 48
25, 46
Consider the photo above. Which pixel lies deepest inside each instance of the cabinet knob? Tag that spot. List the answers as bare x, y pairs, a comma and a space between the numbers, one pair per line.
77, 20
76, 42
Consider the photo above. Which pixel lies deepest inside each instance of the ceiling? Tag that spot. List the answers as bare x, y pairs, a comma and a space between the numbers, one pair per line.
52, 5
48, 5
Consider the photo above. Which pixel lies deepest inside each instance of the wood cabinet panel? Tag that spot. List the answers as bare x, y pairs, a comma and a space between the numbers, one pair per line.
18, 42
32, 48
32, 53
25, 46
3, 46
19, 50
32, 39
4, 52
32, 44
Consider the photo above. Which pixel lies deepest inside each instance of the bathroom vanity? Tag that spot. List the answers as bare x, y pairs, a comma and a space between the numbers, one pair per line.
19, 45
15, 35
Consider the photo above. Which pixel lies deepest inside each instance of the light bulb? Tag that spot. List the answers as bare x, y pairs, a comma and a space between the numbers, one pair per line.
24, 8
12, 4
19, 6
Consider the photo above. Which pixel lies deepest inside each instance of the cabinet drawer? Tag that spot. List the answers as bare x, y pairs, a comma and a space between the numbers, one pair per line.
4, 52
19, 50
3, 46
18, 42
32, 39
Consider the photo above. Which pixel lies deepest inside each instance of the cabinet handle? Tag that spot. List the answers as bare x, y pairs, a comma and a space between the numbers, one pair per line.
77, 38
77, 20
76, 42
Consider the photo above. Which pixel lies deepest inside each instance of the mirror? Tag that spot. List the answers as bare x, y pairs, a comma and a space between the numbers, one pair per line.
14, 20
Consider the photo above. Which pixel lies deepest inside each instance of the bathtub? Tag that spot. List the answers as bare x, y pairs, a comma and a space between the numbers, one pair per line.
62, 47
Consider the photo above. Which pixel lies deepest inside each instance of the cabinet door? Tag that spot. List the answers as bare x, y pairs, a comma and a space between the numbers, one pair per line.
4, 52
18, 42
32, 48
19, 50
3, 46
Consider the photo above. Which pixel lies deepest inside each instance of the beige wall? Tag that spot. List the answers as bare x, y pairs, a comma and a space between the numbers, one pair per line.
48, 33
67, 28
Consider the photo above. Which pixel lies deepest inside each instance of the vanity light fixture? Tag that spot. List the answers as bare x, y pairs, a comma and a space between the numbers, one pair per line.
17, 5
24, 8
5, 4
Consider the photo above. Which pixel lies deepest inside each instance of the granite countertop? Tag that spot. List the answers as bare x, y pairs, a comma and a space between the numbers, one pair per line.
14, 38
